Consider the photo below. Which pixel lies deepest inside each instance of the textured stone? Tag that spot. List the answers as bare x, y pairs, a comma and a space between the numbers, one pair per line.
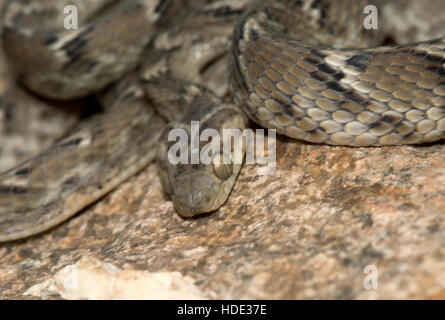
92, 279
307, 231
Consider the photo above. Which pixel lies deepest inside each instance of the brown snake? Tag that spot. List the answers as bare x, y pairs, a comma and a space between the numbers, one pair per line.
294, 67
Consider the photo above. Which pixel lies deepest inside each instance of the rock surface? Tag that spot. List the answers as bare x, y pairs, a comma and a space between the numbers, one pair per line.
91, 279
307, 231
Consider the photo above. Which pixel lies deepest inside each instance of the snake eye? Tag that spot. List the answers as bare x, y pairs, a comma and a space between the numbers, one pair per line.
222, 166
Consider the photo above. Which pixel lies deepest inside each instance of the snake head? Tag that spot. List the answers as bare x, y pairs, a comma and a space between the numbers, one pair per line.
197, 189
202, 186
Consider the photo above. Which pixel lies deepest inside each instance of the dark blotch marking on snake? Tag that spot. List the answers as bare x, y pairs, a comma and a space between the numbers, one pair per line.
13, 189
254, 34
336, 86
71, 143
433, 58
223, 11
320, 76
390, 119
360, 61
437, 69
312, 60
337, 75
162, 7
327, 69
23, 172
70, 181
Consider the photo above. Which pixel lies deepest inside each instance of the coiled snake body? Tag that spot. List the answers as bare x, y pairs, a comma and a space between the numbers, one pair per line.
163, 64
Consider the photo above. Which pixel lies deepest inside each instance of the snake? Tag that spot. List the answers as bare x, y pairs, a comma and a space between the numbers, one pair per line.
309, 69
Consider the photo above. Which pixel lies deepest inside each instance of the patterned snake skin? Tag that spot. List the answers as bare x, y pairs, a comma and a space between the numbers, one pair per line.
367, 97
292, 66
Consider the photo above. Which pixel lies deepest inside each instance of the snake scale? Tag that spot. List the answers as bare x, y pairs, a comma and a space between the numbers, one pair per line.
156, 65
